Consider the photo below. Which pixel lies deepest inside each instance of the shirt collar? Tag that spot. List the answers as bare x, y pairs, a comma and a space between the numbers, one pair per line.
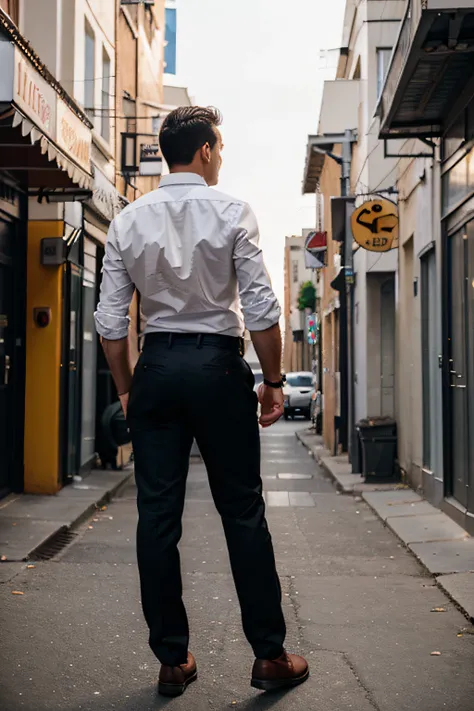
182, 179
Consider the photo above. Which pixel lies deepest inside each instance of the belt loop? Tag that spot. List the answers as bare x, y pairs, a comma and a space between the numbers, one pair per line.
170, 340
199, 341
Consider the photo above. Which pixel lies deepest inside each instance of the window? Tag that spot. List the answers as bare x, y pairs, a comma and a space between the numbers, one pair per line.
89, 72
129, 108
105, 129
295, 271
300, 381
455, 136
170, 39
458, 182
383, 61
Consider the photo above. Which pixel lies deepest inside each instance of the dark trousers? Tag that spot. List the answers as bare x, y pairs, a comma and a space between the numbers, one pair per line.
188, 387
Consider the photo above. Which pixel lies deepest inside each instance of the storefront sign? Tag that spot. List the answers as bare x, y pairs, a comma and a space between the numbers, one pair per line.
375, 225
34, 96
74, 137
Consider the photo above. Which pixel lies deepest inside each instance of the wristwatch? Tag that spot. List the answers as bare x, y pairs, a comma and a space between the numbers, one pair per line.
279, 384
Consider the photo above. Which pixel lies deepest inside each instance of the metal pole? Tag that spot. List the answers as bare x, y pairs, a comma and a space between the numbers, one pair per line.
345, 355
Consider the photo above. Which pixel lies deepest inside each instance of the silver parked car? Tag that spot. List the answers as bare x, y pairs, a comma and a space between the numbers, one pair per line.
298, 392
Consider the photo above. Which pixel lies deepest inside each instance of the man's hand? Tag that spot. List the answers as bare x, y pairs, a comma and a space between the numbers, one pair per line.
271, 401
124, 402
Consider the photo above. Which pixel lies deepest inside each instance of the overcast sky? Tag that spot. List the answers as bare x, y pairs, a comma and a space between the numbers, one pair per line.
259, 62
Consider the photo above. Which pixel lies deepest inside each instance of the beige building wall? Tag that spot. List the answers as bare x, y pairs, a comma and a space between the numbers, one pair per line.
420, 219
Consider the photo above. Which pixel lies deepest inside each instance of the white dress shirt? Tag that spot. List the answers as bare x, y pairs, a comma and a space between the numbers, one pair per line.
190, 251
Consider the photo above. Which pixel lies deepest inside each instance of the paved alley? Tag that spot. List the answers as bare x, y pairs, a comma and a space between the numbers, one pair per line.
358, 606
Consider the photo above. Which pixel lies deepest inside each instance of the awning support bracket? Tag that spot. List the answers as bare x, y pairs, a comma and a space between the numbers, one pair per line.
410, 154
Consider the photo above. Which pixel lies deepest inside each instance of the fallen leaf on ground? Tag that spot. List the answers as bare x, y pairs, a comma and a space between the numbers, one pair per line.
17, 592
4, 557
435, 654
91, 527
460, 634
103, 508
31, 566
438, 609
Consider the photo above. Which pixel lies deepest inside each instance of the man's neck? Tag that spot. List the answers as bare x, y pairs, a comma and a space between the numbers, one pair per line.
187, 169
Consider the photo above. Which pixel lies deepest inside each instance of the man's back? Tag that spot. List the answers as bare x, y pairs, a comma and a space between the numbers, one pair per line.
187, 248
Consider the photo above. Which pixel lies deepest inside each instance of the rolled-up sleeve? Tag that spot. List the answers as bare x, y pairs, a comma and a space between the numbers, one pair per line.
116, 292
259, 303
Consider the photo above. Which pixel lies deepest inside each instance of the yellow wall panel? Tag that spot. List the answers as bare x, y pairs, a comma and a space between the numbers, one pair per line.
43, 367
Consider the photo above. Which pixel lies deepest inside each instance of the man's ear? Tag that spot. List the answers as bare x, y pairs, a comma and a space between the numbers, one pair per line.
206, 153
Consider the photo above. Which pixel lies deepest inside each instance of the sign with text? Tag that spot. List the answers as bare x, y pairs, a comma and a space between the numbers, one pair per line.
34, 96
74, 137
375, 225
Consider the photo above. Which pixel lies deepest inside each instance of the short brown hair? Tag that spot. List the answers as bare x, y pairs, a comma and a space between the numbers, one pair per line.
185, 130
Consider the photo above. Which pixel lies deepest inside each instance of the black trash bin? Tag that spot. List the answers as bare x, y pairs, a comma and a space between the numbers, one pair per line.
378, 437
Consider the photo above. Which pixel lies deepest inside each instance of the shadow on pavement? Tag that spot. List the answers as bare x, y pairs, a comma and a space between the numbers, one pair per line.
263, 701
150, 700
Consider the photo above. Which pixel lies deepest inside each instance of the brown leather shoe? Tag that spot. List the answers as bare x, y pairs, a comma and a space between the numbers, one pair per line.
287, 671
173, 681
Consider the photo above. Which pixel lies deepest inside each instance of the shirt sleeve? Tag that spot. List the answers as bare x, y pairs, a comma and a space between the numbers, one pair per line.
259, 303
116, 293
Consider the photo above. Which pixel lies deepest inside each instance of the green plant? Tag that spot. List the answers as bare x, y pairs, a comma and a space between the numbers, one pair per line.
307, 296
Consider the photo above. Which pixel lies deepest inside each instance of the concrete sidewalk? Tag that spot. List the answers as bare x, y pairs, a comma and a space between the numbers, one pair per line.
443, 547
28, 522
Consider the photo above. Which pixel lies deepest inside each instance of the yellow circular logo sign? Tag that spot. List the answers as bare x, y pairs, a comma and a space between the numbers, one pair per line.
375, 225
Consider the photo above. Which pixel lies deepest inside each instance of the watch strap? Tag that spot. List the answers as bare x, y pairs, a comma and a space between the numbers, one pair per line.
279, 384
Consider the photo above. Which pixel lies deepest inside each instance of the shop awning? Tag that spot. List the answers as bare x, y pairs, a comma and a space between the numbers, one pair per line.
45, 137
431, 70
35, 160
339, 113
315, 156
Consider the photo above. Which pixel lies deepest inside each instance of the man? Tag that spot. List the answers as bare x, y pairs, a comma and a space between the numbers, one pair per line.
189, 250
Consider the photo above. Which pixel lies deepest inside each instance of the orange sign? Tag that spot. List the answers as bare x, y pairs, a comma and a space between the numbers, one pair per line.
74, 137
375, 225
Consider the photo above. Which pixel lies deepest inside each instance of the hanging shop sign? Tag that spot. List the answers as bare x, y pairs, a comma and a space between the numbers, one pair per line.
311, 329
375, 225
315, 247
151, 162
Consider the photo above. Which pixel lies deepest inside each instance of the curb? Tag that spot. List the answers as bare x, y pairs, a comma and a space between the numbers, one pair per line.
81, 514
105, 498
317, 453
